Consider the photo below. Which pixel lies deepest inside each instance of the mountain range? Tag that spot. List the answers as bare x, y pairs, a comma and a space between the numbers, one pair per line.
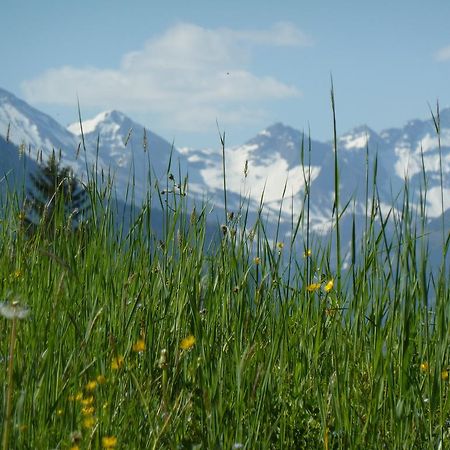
268, 166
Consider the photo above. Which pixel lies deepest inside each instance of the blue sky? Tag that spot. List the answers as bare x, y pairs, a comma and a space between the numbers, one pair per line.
180, 67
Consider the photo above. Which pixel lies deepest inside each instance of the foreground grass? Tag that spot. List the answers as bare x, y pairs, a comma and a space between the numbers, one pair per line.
172, 341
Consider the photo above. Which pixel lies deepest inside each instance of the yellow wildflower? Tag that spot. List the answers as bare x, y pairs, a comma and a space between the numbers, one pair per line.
87, 401
256, 260
101, 379
313, 287
188, 342
88, 422
117, 363
280, 245
139, 346
16, 274
91, 385
329, 286
75, 447
77, 397
59, 412
87, 410
109, 441
307, 253
444, 375
424, 367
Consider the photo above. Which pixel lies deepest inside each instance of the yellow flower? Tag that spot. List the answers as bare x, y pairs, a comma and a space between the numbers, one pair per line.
117, 363
257, 260
280, 245
424, 367
313, 287
74, 447
444, 375
109, 441
101, 379
329, 286
91, 385
59, 412
188, 342
16, 274
307, 253
87, 410
87, 401
77, 397
88, 422
139, 346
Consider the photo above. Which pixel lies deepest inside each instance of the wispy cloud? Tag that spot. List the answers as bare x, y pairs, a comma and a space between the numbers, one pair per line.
443, 54
189, 76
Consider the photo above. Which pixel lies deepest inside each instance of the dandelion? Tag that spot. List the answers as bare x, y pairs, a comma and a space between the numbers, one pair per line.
109, 441
87, 411
188, 342
91, 385
16, 274
424, 367
139, 346
101, 379
87, 400
117, 363
88, 422
76, 397
307, 253
14, 310
329, 286
313, 287
75, 438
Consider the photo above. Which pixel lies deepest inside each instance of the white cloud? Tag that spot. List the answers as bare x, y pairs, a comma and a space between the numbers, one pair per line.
442, 54
189, 76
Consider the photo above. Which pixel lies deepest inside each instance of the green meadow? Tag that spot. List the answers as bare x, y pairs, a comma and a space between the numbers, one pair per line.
176, 338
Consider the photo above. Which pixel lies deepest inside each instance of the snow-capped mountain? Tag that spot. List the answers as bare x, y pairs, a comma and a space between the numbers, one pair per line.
31, 129
129, 151
268, 165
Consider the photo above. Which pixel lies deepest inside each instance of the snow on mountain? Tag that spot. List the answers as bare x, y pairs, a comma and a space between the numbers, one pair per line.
128, 151
36, 131
269, 163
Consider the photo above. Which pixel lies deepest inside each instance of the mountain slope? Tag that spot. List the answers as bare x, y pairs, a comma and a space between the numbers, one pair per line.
33, 129
129, 151
267, 166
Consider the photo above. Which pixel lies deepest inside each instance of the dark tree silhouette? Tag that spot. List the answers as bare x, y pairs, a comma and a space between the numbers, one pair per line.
55, 196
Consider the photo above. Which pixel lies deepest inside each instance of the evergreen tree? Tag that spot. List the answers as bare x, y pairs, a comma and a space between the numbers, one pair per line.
55, 197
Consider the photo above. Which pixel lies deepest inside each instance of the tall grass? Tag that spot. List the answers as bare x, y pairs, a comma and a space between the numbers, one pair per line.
176, 340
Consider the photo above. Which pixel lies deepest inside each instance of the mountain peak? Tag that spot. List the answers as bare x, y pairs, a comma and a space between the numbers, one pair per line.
358, 138
108, 117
